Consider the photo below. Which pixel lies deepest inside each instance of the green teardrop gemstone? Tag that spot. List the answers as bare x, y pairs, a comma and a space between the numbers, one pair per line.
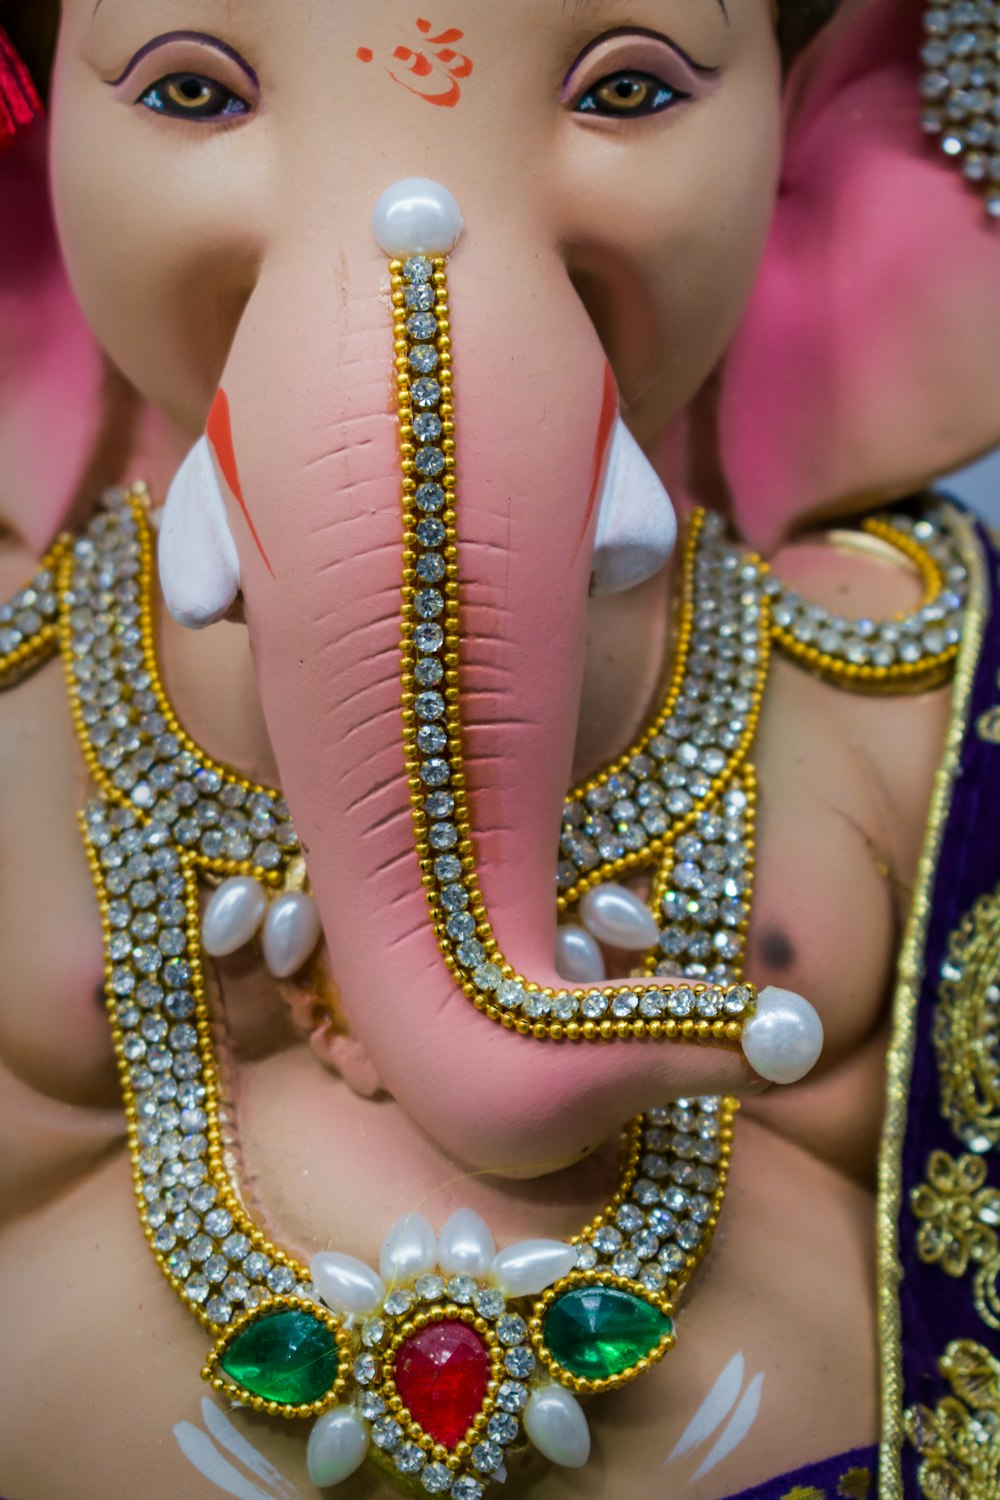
596, 1331
288, 1356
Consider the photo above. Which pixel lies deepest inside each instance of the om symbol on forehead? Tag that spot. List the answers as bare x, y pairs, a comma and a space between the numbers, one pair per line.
430, 68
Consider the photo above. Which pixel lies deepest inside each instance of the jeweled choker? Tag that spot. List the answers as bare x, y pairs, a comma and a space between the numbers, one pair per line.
528, 1329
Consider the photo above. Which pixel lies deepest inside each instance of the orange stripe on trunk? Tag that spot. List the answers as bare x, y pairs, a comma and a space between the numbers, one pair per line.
219, 432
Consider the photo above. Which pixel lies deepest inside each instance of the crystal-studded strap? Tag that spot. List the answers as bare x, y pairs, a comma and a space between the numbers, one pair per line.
198, 1228
136, 750
629, 815
29, 630
431, 662
908, 652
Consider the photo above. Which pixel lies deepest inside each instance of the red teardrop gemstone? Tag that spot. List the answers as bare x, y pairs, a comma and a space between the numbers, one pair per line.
442, 1373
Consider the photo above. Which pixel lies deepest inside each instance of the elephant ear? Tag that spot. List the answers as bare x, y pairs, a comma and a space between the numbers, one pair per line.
54, 422
868, 360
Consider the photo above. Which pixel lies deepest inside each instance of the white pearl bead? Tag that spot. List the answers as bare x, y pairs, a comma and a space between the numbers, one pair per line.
233, 915
783, 1040
615, 916
409, 1250
578, 956
346, 1284
417, 216
555, 1423
291, 931
465, 1246
337, 1447
527, 1268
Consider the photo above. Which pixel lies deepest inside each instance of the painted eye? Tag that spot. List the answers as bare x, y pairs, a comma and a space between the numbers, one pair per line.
622, 95
190, 96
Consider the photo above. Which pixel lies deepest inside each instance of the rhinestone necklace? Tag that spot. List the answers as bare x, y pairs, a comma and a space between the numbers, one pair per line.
534, 1325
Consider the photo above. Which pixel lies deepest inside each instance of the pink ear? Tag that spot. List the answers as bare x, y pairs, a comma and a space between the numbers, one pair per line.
51, 371
869, 358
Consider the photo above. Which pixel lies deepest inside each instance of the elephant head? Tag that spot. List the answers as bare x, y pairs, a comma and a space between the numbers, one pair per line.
617, 171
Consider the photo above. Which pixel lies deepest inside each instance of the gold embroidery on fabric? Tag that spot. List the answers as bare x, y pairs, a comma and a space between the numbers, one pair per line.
988, 725
899, 1062
856, 1484
959, 1440
957, 1212
804, 1492
966, 1027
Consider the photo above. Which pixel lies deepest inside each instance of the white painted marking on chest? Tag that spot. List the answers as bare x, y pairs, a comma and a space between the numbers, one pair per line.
736, 1428
713, 1411
202, 1453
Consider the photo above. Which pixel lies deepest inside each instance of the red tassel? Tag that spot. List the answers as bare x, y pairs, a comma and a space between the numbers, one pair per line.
19, 101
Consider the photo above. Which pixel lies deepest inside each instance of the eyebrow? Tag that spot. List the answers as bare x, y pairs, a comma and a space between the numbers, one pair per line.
186, 36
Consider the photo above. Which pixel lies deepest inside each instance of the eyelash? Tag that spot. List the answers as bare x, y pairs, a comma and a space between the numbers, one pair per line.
655, 96
161, 98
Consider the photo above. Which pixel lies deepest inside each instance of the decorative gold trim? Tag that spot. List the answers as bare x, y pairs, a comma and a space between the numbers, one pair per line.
573, 1282
899, 1060
42, 643
220, 1381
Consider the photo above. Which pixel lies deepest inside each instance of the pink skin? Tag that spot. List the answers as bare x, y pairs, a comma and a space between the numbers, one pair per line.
50, 365
868, 361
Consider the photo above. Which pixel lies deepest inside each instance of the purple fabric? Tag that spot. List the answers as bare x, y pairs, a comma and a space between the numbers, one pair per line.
936, 1308
824, 1476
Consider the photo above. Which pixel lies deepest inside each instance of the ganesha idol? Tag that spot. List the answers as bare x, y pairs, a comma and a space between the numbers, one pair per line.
499, 750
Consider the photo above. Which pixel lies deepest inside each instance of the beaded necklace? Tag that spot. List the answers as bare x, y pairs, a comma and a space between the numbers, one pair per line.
525, 1330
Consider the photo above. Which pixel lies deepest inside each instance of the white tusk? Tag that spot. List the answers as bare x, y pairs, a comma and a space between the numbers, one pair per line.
784, 1037
417, 216
636, 525
198, 563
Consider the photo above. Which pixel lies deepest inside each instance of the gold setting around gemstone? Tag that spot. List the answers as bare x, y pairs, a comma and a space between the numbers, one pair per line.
221, 1382
576, 1280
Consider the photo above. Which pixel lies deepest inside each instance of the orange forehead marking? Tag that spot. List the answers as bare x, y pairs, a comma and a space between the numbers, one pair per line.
219, 431
430, 67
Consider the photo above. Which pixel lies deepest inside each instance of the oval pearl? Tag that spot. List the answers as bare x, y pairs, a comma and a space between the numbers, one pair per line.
465, 1246
233, 915
527, 1268
615, 916
337, 1447
555, 1423
417, 216
409, 1249
784, 1038
346, 1284
578, 956
291, 931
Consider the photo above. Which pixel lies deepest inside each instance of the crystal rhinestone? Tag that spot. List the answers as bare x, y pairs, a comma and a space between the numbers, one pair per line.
421, 325
487, 1457
502, 1428
465, 1488
431, 532
511, 1329
431, 739
371, 1405
373, 1333
429, 1288
442, 1373
461, 1289
442, 836
436, 1479
512, 1396
430, 498
519, 1362
410, 1459
425, 392
431, 568
288, 1356
417, 268
386, 1434
427, 427
280, 1280
218, 1309
430, 462
365, 1369
429, 603
598, 1331
398, 1302
489, 1303
447, 867
429, 706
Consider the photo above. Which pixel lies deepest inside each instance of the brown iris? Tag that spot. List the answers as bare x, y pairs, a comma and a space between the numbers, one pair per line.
625, 92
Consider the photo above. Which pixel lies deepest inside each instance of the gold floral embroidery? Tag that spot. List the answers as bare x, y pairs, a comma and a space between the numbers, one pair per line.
957, 1212
856, 1484
967, 1027
804, 1492
959, 1440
